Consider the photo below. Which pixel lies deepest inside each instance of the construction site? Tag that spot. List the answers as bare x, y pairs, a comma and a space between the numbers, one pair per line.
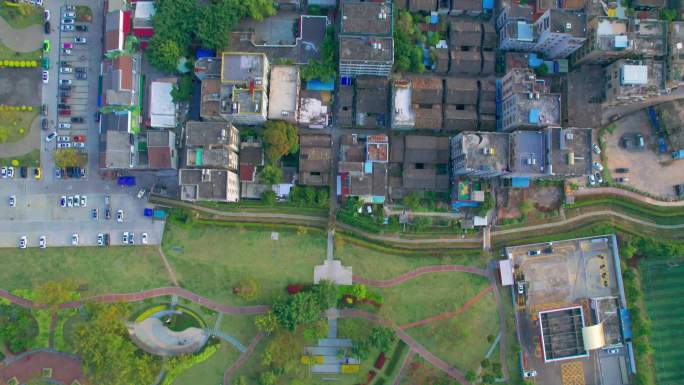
571, 316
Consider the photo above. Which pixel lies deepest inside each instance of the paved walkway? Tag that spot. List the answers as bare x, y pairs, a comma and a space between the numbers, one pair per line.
167, 265
450, 314
134, 297
418, 272
30, 142
228, 374
583, 192
404, 367
24, 40
152, 336
65, 367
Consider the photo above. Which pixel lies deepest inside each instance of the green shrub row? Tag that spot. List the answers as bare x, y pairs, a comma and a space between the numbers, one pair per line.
396, 356
176, 365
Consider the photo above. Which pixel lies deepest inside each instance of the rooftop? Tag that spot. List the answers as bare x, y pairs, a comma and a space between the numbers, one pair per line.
118, 152
527, 153
426, 149
612, 34
570, 150
315, 155
466, 33
485, 151
243, 68
284, 92
461, 90
144, 11
568, 21
211, 157
313, 109
161, 151
426, 89
205, 184
403, 114
364, 48
651, 39
465, 62
210, 133
639, 77
162, 107
541, 111
366, 18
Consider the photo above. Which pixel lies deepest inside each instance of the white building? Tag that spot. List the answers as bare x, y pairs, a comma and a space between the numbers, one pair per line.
162, 111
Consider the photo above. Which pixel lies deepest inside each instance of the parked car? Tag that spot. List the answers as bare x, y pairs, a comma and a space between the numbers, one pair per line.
44, 109
94, 214
23, 241
46, 15
47, 27
70, 201
45, 63
131, 238
119, 215
65, 82
82, 28
65, 70
64, 93
46, 46
77, 201
100, 239
42, 242
3, 172
81, 76
66, 51
63, 138
65, 87
639, 139
77, 119
58, 173
592, 180
63, 106
46, 77
533, 252
23, 171
63, 201
69, 14
64, 112
80, 40
64, 100
599, 178
79, 138
143, 238
108, 213
521, 287
43, 124
530, 373
84, 201
51, 136
13, 200
63, 145
596, 148
68, 21
124, 238
67, 28
622, 180
621, 170
597, 166
74, 239
37, 173
10, 172
67, 45
79, 145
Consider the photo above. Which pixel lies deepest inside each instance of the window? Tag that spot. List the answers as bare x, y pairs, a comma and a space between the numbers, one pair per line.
420, 166
316, 173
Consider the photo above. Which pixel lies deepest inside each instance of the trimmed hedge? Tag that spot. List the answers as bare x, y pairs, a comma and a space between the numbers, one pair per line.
396, 356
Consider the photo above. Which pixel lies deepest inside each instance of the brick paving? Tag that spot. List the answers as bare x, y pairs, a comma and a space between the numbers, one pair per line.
65, 368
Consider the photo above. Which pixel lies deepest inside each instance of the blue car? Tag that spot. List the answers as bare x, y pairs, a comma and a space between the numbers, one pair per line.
94, 213
58, 172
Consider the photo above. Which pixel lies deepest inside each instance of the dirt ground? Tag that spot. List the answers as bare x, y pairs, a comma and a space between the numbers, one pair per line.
544, 199
649, 172
585, 88
20, 86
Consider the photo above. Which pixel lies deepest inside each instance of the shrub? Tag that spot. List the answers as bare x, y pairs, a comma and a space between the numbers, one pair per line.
380, 362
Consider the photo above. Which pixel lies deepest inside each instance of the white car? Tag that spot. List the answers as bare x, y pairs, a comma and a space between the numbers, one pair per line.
46, 77
69, 14
51, 136
80, 40
42, 242
592, 180
63, 138
67, 21
100, 239
63, 145
74, 239
79, 144
84, 201
119, 216
70, 201
13, 201
77, 201
47, 15
67, 28
65, 82
10, 172
23, 241
66, 70
596, 148
64, 125
3, 172
124, 238
597, 166
143, 238
530, 373
612, 351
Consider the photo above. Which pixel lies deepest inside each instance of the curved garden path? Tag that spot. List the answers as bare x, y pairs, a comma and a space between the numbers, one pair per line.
415, 346
142, 295
230, 372
23, 40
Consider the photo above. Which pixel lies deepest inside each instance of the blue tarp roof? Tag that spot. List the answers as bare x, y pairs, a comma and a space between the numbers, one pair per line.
520, 182
534, 61
458, 204
488, 4
525, 31
204, 52
317, 85
626, 322
434, 17
368, 167
534, 115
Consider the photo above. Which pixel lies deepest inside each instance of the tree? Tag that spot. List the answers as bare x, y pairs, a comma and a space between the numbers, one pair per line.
360, 349
359, 291
106, 349
267, 378
542, 70
325, 68
271, 174
18, 328
280, 139
296, 309
163, 54
269, 197
412, 200
326, 294
53, 293
322, 197
381, 337
266, 322
487, 205
242, 380
69, 157
316, 330
283, 350
247, 288
182, 91
668, 14
526, 207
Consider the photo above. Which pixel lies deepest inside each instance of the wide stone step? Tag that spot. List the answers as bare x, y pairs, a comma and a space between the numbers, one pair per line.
326, 368
335, 342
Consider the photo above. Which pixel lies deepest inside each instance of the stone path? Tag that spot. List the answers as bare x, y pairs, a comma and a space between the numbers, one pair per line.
450, 314
24, 40
167, 265
139, 296
230, 339
228, 374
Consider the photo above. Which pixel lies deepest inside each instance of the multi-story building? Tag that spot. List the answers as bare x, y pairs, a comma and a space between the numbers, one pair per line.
527, 102
479, 154
630, 81
608, 39
211, 164
362, 167
315, 159
283, 103
675, 60
403, 116
366, 43
239, 95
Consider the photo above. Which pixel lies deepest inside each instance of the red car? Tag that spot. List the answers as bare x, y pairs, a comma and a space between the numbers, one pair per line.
64, 112
64, 100
79, 138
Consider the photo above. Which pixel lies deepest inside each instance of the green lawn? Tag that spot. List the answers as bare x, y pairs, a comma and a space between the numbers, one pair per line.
429, 295
14, 125
211, 260
239, 326
21, 16
99, 270
374, 264
461, 340
31, 159
8, 54
210, 372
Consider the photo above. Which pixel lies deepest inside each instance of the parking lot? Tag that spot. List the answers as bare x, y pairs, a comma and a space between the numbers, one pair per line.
41, 214
648, 171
